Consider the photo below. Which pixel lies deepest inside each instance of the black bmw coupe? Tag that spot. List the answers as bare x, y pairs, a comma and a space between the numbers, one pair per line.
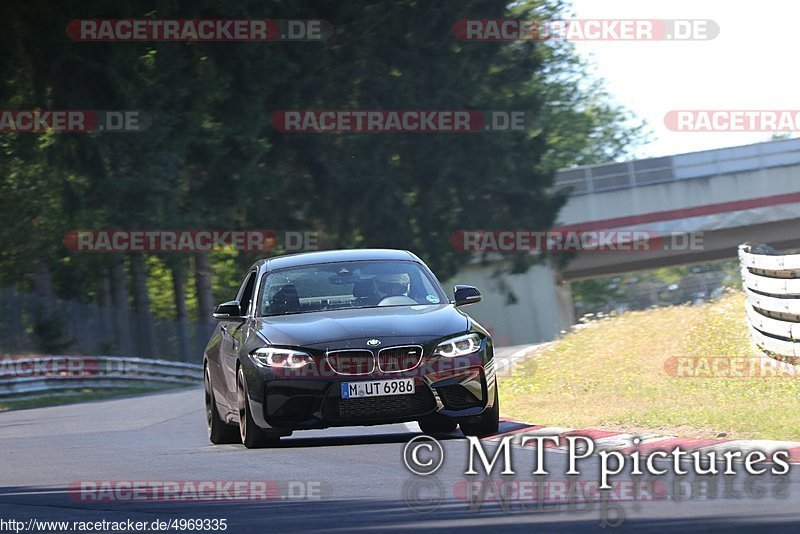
346, 338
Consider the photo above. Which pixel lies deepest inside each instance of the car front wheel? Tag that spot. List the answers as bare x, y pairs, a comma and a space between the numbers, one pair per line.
219, 432
251, 434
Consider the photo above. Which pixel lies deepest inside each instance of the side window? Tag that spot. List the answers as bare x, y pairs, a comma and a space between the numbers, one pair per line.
246, 292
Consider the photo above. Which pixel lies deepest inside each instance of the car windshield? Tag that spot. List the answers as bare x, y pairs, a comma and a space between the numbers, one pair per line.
357, 284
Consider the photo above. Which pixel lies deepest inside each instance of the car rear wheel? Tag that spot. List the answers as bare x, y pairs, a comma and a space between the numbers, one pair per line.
488, 423
250, 433
437, 425
219, 432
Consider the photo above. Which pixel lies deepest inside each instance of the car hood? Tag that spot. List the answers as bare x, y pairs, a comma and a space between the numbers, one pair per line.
323, 328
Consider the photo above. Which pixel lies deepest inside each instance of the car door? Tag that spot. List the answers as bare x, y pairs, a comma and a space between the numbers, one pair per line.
232, 332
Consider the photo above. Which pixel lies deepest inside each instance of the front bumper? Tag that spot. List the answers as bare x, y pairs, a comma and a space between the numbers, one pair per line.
461, 388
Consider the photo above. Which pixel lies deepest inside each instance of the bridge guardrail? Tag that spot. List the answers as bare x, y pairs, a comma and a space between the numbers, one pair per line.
32, 375
611, 176
771, 282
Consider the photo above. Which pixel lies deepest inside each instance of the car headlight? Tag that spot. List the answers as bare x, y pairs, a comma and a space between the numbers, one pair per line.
277, 357
458, 346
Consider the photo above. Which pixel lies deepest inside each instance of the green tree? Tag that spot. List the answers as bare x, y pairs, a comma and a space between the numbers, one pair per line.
210, 158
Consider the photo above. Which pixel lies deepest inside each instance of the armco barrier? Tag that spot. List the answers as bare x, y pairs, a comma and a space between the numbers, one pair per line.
31, 375
771, 282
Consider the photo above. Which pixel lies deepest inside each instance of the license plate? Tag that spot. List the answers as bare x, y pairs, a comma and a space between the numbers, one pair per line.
377, 388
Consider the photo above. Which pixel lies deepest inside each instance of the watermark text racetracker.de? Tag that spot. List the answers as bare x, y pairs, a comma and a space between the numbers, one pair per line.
73, 120
68, 366
190, 240
398, 120
576, 495
48, 366
756, 367
210, 30
585, 30
733, 120
195, 490
568, 240
537, 495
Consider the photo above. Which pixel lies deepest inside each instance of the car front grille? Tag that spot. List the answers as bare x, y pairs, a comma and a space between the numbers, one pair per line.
396, 359
392, 406
351, 362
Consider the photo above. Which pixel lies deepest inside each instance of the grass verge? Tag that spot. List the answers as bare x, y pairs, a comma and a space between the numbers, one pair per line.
612, 374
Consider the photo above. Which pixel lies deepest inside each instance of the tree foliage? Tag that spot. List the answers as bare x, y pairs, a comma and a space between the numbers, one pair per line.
211, 160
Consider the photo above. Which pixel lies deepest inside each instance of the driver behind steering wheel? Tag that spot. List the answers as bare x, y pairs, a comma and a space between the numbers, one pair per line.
392, 285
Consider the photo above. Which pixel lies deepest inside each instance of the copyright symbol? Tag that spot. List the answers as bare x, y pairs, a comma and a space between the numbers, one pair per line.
423, 455
423, 495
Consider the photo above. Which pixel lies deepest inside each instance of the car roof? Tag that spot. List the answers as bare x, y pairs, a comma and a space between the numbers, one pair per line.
331, 256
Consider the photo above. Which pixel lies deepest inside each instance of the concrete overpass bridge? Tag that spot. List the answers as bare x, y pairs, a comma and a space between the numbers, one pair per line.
731, 195
728, 196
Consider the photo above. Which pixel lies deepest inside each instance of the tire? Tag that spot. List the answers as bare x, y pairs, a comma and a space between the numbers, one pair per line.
250, 434
437, 425
219, 432
489, 421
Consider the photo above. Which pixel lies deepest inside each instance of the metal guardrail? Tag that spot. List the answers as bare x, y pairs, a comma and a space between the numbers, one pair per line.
771, 282
32, 375
607, 177
610, 176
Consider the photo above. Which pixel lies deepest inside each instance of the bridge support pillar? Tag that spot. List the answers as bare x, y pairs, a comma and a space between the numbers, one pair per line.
543, 306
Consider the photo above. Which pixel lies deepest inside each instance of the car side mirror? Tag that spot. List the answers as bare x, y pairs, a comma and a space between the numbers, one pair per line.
228, 310
466, 295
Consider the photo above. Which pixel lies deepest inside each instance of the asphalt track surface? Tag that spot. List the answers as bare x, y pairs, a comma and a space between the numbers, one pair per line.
357, 477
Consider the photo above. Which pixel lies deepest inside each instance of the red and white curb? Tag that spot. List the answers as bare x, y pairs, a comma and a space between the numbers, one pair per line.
623, 442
